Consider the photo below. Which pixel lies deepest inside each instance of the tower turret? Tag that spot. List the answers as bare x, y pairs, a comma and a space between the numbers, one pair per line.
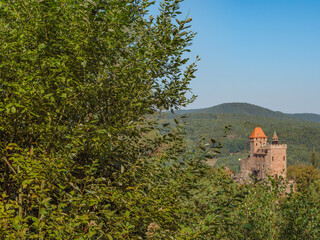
275, 139
257, 140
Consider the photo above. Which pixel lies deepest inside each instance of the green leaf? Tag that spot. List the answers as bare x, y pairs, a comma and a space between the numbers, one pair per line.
43, 211
127, 214
109, 237
247, 226
41, 46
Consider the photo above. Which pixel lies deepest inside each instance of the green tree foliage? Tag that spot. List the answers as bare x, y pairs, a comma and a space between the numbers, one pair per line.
304, 176
81, 156
299, 218
314, 159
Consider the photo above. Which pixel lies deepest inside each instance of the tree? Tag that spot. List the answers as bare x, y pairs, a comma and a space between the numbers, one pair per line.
81, 154
304, 176
314, 159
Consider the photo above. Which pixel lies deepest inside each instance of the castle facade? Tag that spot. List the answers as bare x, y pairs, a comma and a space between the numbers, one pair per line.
265, 159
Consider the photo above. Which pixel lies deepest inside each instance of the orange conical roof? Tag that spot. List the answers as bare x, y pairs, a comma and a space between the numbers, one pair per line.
258, 133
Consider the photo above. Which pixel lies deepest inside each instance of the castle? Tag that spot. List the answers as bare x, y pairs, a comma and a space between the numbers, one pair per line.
265, 159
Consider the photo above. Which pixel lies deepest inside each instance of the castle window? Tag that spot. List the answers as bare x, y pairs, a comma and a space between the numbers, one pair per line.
284, 158
272, 158
256, 144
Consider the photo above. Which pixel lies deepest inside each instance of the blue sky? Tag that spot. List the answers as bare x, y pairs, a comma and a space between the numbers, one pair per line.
264, 52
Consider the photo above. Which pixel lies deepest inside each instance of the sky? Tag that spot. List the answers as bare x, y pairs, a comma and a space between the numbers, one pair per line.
263, 52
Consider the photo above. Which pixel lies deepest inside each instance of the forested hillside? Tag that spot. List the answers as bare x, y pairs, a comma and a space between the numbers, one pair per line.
250, 109
301, 136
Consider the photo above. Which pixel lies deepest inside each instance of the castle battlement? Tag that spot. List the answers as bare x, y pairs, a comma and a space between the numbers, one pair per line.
274, 146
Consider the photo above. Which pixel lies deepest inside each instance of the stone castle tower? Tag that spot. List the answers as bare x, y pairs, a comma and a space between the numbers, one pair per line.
265, 159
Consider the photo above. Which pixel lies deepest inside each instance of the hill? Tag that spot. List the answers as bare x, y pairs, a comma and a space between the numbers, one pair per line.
300, 131
254, 110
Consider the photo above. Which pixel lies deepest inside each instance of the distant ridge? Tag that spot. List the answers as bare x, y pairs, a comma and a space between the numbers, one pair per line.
251, 109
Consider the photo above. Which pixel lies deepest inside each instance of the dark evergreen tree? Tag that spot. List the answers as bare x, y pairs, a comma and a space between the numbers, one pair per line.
314, 159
